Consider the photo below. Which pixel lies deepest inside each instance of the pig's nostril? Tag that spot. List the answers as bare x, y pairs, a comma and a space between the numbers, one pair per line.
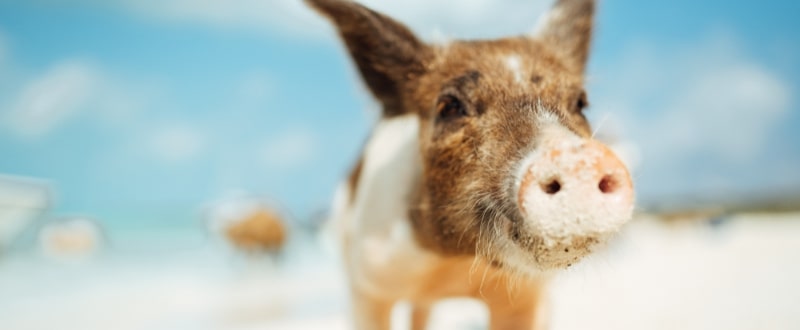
607, 184
551, 187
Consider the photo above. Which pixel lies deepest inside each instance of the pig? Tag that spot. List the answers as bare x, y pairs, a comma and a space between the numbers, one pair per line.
481, 178
260, 231
250, 225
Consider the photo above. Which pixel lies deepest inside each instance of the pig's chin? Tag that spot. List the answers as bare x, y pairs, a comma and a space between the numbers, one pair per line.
536, 254
558, 253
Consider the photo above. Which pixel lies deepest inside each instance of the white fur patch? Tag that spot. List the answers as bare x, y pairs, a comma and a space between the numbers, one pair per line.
548, 119
514, 64
378, 225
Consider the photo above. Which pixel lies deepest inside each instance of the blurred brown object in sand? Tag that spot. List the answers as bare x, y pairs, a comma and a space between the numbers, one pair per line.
259, 231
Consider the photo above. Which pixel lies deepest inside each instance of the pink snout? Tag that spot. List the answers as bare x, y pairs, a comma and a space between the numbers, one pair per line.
573, 194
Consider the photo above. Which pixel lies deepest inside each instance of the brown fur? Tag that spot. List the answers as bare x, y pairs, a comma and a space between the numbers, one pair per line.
465, 197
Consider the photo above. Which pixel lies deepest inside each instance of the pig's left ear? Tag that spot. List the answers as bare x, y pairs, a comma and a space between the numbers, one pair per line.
387, 54
567, 28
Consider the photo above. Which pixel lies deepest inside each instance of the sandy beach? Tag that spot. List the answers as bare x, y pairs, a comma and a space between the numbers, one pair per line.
736, 273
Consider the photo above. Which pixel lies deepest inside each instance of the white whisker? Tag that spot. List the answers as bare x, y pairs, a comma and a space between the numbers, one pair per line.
599, 126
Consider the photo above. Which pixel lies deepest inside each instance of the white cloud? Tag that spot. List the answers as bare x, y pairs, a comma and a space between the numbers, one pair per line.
467, 18
691, 107
729, 111
293, 147
69, 89
176, 143
23, 201
52, 98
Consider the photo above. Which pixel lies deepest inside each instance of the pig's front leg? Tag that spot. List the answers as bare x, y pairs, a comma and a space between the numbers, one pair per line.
516, 309
371, 313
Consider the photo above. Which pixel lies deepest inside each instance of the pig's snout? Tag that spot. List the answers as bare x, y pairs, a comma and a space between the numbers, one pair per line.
573, 194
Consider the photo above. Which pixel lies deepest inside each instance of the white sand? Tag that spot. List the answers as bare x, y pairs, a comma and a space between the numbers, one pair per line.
742, 274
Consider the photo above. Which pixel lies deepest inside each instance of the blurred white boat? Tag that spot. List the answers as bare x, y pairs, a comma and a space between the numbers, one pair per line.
22, 201
70, 238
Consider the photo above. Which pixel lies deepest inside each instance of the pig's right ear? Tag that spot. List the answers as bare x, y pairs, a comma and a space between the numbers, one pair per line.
386, 52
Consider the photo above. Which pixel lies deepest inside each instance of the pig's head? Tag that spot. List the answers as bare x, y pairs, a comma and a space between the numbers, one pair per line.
510, 171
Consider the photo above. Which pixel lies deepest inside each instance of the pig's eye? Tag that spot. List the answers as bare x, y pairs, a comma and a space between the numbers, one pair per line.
581, 103
450, 107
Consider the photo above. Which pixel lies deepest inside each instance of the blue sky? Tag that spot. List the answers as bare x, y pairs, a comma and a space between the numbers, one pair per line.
135, 110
